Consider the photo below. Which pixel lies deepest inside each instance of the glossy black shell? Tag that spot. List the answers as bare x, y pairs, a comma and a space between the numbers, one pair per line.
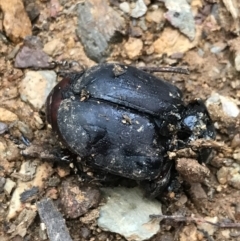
123, 120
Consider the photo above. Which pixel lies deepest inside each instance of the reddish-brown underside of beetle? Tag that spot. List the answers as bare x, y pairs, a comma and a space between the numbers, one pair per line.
53, 101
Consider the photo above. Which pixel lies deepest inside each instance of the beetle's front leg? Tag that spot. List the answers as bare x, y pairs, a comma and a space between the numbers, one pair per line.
157, 186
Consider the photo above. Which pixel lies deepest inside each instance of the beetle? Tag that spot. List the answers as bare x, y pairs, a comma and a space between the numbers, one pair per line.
123, 121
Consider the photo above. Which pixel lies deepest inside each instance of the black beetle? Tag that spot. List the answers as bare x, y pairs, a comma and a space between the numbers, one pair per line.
123, 121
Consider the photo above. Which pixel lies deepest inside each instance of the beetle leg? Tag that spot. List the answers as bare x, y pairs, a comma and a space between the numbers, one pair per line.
156, 186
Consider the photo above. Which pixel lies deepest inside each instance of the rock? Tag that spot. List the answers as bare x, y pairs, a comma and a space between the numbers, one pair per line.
43, 172
191, 170
180, 16
208, 228
32, 10
218, 47
235, 48
16, 22
54, 47
156, 16
7, 116
229, 105
226, 234
29, 195
232, 7
237, 61
125, 7
139, 10
29, 57
236, 155
9, 154
236, 141
36, 86
171, 42
133, 48
77, 200
222, 175
127, 211
230, 175
3, 128
2, 183
55, 8
9, 185
188, 233
95, 31
25, 130
234, 176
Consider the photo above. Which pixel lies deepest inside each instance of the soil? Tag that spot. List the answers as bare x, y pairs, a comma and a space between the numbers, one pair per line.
211, 71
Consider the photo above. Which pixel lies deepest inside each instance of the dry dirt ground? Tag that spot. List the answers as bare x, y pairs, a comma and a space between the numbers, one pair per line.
211, 53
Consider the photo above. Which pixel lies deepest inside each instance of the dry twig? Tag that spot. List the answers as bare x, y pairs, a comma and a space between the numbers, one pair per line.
179, 218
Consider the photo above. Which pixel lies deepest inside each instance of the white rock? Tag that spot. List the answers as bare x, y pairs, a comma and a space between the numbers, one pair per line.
127, 212
237, 61
125, 7
229, 105
139, 10
230, 175
208, 228
222, 175
9, 185
36, 86
180, 16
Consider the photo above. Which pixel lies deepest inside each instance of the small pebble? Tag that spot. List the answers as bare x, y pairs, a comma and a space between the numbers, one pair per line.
209, 228
9, 185
235, 141
36, 86
133, 48
125, 7
229, 106
7, 116
3, 128
139, 10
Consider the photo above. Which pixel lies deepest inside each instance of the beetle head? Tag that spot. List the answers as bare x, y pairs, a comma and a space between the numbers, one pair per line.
197, 124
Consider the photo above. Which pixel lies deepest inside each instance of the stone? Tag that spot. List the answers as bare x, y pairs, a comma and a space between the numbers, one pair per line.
9, 185
54, 47
180, 16
188, 233
139, 10
208, 228
43, 172
30, 57
156, 16
127, 211
16, 22
222, 175
3, 128
96, 31
36, 86
229, 105
7, 116
172, 41
77, 200
232, 7
191, 170
133, 48
125, 7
